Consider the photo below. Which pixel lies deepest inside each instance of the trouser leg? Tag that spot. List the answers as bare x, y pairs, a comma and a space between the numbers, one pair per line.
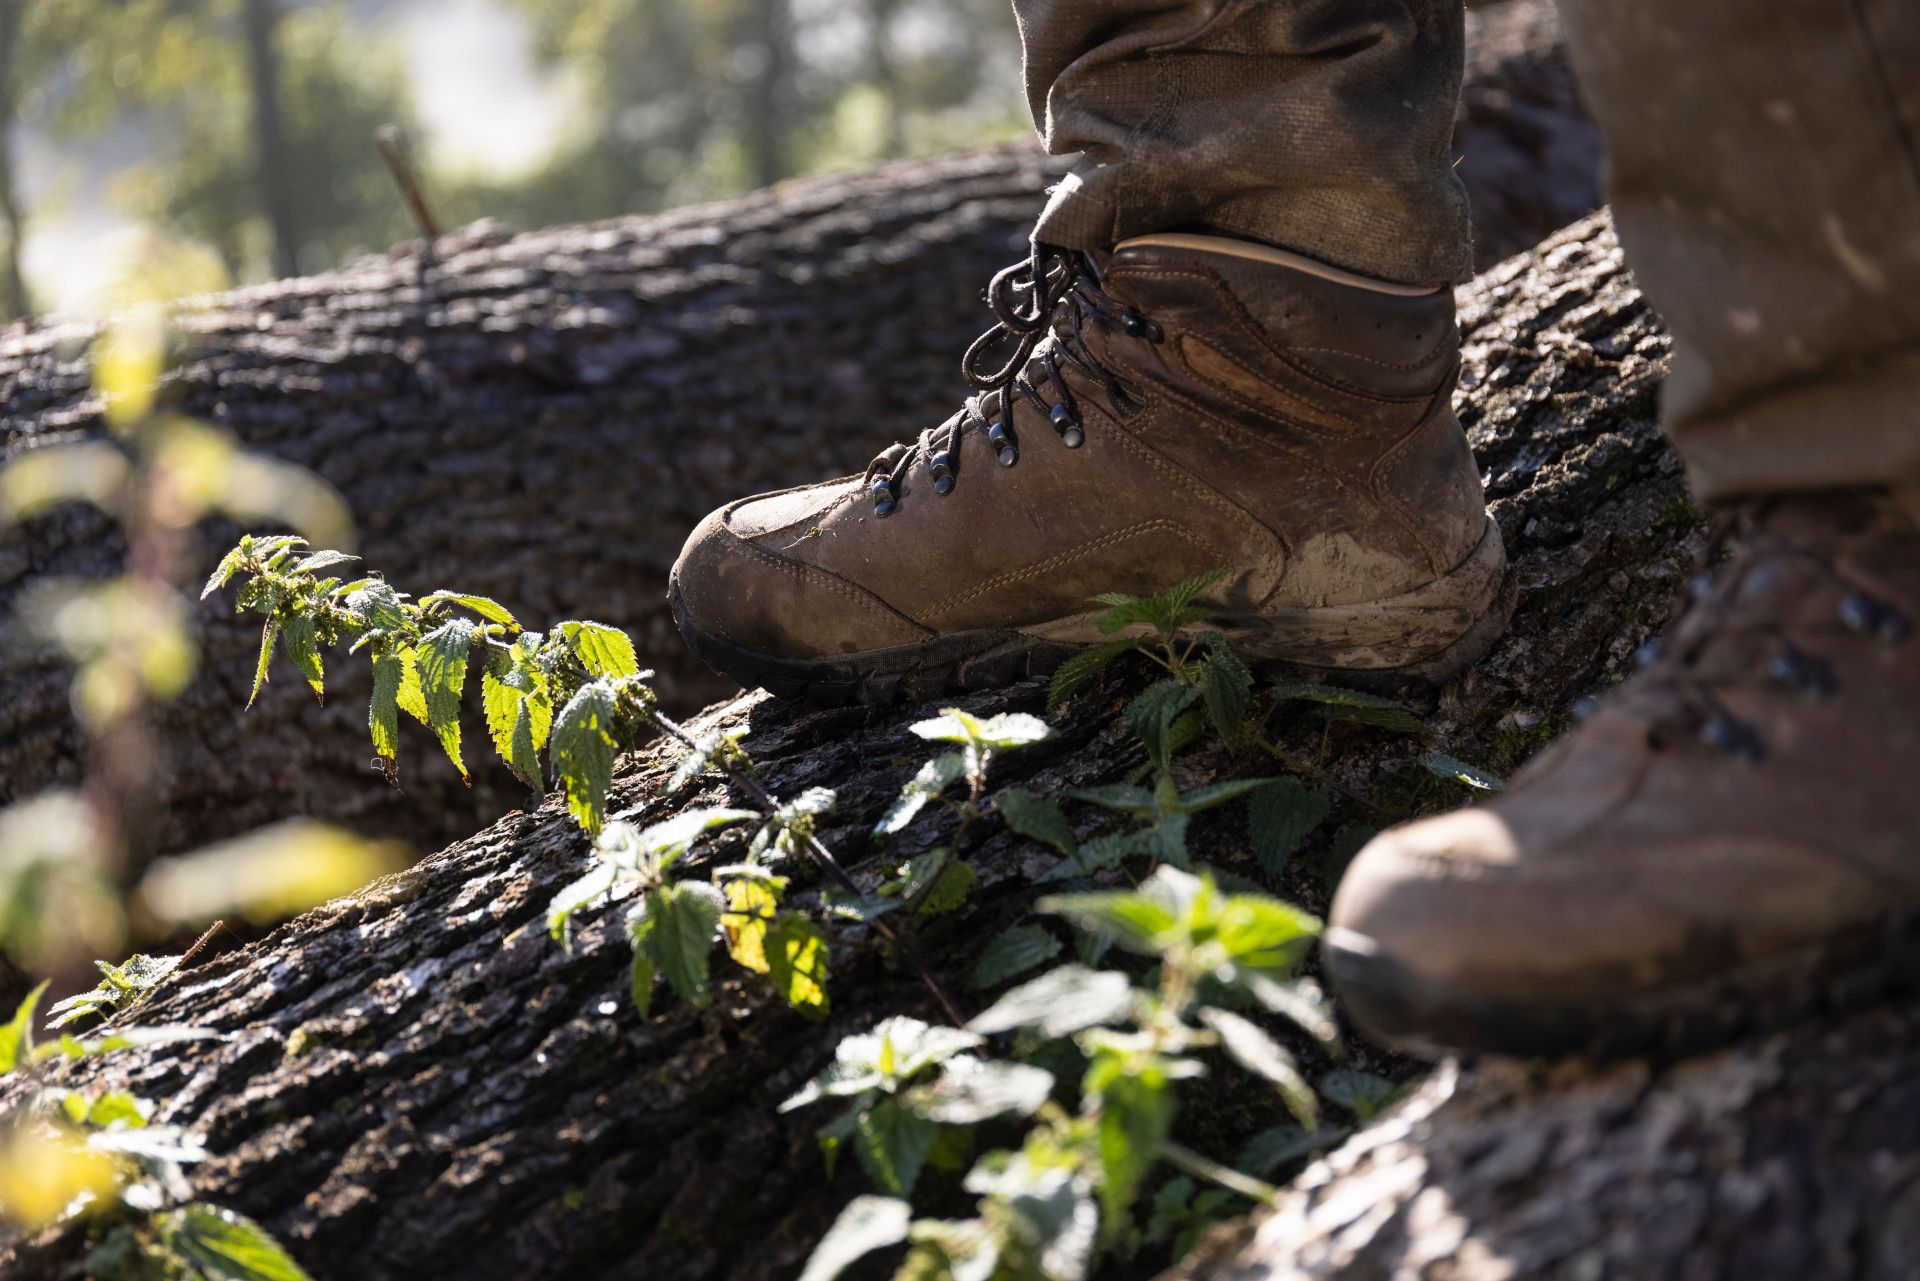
1766, 183
1321, 126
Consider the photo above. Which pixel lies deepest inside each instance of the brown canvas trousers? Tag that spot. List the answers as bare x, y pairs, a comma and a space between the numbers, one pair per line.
1765, 181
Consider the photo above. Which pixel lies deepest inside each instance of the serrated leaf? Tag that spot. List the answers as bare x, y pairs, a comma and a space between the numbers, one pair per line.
1353, 705
1272, 1148
268, 632
1361, 1093
485, 606
932, 779
519, 712
752, 904
1460, 772
440, 662
1227, 686
606, 652
383, 714
1300, 1001
1166, 613
868, 1223
797, 957
1262, 933
1134, 1108
1012, 952
969, 1091
1037, 818
682, 919
582, 750
1260, 1054
323, 559
378, 606
596, 884
1073, 674
1212, 794
1136, 921
223, 572
1116, 796
16, 1037
1152, 715
298, 638
1060, 1002
892, 1144
226, 1245
1279, 816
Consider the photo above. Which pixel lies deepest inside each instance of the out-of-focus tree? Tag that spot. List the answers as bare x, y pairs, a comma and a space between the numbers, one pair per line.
262, 120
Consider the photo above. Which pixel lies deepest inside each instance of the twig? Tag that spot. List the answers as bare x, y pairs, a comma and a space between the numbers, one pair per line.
399, 157
1226, 1176
823, 856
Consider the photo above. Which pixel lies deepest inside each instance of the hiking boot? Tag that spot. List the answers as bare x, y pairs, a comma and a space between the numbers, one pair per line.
1184, 405
1729, 842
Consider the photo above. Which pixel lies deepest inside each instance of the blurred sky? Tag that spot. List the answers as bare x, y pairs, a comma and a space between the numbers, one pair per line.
483, 104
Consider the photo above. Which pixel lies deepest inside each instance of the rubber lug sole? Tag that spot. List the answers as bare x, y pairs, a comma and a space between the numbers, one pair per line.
993, 659
1398, 1008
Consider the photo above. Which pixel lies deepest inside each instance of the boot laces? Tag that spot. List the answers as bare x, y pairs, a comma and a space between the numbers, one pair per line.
1682, 670
1041, 308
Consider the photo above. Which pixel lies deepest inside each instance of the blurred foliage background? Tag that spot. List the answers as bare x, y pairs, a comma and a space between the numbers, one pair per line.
234, 139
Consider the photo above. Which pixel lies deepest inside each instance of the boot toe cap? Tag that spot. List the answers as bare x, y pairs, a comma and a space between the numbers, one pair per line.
735, 583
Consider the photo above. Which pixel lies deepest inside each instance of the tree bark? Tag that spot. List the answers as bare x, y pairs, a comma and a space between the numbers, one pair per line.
419, 1083
542, 418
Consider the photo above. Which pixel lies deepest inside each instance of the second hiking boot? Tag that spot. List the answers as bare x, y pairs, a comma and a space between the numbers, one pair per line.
1185, 405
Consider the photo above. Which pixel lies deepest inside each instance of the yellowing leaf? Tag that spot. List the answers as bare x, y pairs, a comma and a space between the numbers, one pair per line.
266, 875
751, 906
796, 957
45, 1171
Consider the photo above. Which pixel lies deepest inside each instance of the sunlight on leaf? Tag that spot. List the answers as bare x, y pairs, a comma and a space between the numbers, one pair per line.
267, 875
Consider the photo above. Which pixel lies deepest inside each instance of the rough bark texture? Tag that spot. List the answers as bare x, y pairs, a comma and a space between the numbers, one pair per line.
542, 418
420, 1084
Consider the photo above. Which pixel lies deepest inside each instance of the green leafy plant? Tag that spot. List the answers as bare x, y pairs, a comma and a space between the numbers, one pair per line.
1050, 1207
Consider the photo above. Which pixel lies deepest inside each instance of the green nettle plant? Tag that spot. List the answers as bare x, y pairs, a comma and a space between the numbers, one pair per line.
909, 1096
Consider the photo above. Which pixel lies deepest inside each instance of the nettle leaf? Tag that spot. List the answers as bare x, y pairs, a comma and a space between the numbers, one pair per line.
223, 572
226, 1245
970, 1090
383, 712
1011, 952
797, 959
298, 638
1152, 715
710, 752
752, 904
1110, 851
1136, 921
1460, 772
440, 662
606, 652
1300, 1001
937, 881
597, 884
519, 709
1060, 1003
1007, 730
1272, 1148
1361, 1093
126, 1038
1212, 794
582, 750
1166, 613
1260, 1054
324, 559
485, 606
868, 1223
1262, 933
1338, 704
16, 1037
1279, 816
892, 1145
269, 631
1227, 687
1135, 1109
1123, 797
681, 920
378, 606
1037, 818
934, 777
1073, 674
664, 843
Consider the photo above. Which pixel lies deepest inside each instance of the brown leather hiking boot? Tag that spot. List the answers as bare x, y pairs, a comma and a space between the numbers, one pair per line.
1731, 840
1189, 404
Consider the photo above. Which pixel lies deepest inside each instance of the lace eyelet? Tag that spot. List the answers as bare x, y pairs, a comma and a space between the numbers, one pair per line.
1804, 674
1136, 325
1073, 437
1733, 739
1003, 445
1862, 613
883, 500
941, 465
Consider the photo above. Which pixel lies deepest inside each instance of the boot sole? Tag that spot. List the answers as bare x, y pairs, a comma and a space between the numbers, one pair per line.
1317, 643
1395, 1007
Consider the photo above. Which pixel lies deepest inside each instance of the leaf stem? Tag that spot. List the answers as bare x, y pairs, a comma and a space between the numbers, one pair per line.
1226, 1176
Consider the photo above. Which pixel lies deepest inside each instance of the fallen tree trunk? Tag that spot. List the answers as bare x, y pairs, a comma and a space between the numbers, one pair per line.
542, 418
418, 1083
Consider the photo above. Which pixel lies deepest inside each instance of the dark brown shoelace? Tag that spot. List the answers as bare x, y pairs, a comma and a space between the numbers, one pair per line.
1041, 308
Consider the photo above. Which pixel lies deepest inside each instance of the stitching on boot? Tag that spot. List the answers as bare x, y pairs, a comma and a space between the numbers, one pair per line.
1063, 558
833, 583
